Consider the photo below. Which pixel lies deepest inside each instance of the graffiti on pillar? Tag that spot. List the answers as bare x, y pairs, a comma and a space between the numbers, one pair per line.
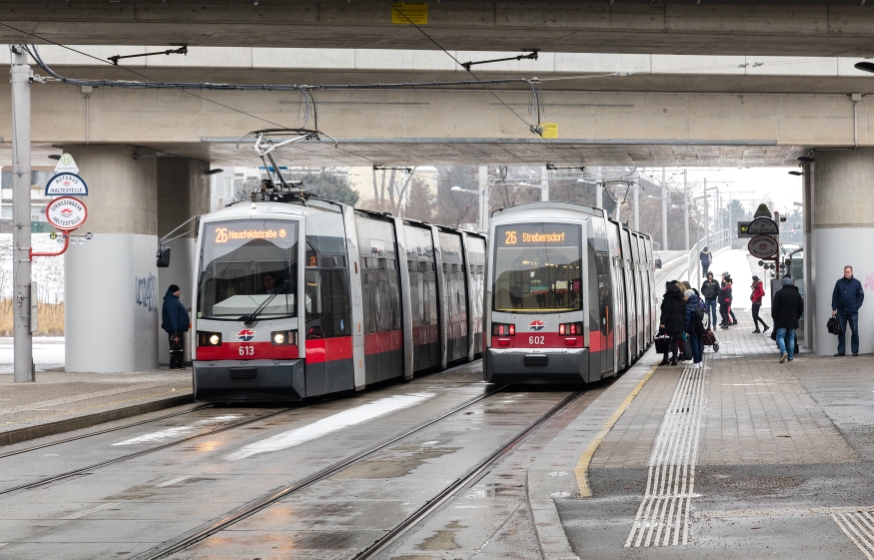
147, 292
869, 282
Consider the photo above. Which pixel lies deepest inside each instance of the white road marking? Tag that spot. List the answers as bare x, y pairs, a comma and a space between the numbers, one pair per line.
89, 511
663, 517
430, 443
325, 426
169, 433
173, 481
857, 526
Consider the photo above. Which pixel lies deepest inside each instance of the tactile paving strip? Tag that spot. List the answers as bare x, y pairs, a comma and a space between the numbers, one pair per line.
663, 517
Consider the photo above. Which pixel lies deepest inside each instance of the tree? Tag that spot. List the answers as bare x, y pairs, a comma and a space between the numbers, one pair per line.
390, 189
330, 187
421, 203
456, 208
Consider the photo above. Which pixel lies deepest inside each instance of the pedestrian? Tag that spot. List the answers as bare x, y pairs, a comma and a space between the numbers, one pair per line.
758, 288
724, 299
672, 319
726, 279
175, 321
786, 309
694, 326
710, 291
706, 259
847, 298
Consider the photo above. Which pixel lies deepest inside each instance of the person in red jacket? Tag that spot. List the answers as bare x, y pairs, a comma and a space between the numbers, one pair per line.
758, 289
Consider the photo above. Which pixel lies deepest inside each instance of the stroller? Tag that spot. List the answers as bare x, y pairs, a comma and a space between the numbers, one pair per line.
709, 337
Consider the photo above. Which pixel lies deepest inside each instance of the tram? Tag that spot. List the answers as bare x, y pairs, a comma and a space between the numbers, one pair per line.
298, 297
570, 295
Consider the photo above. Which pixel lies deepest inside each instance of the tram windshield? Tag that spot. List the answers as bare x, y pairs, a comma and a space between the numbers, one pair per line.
247, 263
538, 268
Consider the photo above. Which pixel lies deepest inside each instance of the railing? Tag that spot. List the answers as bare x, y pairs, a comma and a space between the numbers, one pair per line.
717, 242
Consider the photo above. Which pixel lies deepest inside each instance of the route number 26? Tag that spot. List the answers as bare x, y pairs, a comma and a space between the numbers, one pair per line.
536, 340
247, 350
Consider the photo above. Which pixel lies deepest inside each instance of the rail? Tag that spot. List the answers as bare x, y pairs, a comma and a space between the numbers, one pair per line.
716, 242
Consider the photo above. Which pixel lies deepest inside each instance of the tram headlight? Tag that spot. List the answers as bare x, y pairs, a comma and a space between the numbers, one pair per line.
503, 329
570, 329
283, 338
209, 338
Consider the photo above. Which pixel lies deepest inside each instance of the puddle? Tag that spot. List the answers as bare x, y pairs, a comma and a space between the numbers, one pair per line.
403, 461
443, 539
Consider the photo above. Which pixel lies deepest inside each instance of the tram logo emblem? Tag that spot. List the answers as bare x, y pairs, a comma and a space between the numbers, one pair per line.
536, 325
245, 335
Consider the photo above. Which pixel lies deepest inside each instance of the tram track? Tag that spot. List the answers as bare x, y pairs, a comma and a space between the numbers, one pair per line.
122, 458
470, 478
208, 529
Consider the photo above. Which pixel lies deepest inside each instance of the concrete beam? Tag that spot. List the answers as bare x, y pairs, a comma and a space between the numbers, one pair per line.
673, 27
458, 126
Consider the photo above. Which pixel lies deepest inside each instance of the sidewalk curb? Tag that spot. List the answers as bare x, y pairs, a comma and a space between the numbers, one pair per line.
77, 423
559, 460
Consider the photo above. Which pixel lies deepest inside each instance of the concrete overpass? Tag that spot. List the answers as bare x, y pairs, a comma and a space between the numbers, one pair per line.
145, 152
610, 109
775, 27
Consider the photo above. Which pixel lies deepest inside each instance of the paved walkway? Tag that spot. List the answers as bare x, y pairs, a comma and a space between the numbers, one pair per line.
59, 402
748, 458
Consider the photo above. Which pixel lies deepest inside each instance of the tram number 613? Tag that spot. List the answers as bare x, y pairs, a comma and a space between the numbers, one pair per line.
537, 340
247, 350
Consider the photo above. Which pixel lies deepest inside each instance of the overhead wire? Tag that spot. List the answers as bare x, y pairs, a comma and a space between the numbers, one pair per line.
536, 129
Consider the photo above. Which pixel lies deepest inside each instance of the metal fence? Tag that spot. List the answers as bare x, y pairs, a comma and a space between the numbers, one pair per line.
719, 241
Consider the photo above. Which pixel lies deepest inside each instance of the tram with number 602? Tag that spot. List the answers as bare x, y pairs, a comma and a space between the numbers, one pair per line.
570, 295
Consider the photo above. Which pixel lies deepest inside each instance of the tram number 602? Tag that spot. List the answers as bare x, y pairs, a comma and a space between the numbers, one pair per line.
537, 340
247, 350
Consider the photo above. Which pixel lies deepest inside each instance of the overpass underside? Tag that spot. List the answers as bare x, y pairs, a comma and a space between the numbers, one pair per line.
774, 27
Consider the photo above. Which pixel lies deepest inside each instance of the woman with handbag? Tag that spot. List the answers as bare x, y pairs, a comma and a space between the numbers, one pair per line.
673, 319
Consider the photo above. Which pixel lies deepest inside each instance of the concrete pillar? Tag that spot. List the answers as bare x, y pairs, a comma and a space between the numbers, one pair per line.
113, 305
842, 232
810, 326
183, 192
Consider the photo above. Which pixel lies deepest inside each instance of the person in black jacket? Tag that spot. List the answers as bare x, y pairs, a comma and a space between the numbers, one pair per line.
175, 321
710, 291
847, 298
724, 299
694, 327
786, 308
673, 319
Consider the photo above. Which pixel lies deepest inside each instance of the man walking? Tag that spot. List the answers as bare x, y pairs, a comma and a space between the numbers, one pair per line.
710, 291
706, 259
758, 288
175, 321
847, 298
786, 309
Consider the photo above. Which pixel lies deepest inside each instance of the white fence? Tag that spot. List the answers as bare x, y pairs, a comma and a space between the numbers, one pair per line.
717, 242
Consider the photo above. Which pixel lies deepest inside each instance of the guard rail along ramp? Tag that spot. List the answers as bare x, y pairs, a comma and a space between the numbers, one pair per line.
717, 242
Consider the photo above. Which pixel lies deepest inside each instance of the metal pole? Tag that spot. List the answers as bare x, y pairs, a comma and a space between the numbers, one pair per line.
483, 198
664, 212
706, 217
599, 195
636, 209
686, 209
23, 348
544, 184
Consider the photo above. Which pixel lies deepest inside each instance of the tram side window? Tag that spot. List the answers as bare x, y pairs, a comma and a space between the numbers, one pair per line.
327, 299
381, 296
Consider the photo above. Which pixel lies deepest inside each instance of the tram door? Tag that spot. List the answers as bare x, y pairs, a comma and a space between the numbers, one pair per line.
455, 294
476, 250
605, 299
423, 297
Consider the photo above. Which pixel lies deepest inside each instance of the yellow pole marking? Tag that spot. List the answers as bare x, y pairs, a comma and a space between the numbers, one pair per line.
582, 467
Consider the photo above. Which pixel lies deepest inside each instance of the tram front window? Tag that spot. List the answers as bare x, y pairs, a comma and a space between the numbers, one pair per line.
244, 264
538, 268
